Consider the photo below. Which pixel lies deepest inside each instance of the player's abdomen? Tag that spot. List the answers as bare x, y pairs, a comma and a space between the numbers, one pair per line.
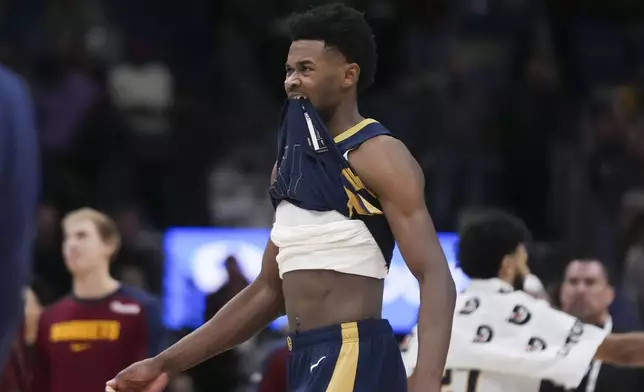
318, 298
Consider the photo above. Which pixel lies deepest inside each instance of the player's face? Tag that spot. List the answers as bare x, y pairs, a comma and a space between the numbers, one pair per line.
585, 292
318, 73
83, 248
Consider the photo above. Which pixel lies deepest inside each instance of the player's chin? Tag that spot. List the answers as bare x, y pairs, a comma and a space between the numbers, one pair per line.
580, 310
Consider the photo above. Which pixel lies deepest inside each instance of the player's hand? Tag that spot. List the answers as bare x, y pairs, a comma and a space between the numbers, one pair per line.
144, 376
524, 270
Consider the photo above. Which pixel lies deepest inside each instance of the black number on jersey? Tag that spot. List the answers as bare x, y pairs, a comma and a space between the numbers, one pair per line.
472, 381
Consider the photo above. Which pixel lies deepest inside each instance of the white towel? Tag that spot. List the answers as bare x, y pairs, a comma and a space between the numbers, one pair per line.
325, 240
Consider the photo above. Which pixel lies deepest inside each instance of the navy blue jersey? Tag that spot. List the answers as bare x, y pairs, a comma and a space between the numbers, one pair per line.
313, 174
18, 199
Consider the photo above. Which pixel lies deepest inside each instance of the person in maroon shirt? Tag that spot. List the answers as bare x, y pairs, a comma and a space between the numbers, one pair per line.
274, 377
102, 326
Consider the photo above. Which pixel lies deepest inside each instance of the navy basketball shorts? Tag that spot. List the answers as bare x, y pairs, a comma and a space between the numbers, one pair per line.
360, 356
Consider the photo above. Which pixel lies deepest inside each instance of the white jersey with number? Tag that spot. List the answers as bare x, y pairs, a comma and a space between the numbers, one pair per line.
507, 341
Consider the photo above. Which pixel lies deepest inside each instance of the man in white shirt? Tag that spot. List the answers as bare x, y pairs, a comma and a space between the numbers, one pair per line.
505, 340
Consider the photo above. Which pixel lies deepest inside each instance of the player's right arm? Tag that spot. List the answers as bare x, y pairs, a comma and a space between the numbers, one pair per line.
626, 349
247, 313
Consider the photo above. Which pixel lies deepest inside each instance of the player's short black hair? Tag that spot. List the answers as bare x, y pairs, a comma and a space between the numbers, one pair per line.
340, 27
486, 239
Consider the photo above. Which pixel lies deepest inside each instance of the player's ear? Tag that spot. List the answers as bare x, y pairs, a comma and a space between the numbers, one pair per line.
351, 75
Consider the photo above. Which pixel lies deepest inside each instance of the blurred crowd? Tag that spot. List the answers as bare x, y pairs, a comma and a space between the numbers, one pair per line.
163, 114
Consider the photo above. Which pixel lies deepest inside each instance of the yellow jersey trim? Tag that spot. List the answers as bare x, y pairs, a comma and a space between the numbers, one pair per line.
353, 130
346, 367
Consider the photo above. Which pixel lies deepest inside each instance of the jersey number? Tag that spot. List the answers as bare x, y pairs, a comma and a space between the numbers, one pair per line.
472, 381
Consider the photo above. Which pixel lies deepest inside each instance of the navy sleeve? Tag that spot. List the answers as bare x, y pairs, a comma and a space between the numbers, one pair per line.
18, 198
152, 310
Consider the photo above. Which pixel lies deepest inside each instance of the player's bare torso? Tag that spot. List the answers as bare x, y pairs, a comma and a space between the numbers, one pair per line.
317, 298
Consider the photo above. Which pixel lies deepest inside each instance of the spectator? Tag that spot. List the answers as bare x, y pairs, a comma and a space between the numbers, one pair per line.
587, 294
274, 376
86, 338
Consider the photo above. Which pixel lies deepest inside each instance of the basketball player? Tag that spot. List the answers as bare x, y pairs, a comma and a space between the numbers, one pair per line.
343, 189
103, 326
18, 198
505, 340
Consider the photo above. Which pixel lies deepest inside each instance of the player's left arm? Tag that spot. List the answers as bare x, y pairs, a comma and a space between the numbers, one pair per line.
388, 169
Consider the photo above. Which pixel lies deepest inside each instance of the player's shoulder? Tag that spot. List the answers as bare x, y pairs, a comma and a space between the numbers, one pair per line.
384, 142
366, 131
8, 75
376, 140
11, 84
382, 152
375, 133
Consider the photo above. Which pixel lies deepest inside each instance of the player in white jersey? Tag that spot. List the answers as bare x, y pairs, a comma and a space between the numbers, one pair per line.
504, 340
